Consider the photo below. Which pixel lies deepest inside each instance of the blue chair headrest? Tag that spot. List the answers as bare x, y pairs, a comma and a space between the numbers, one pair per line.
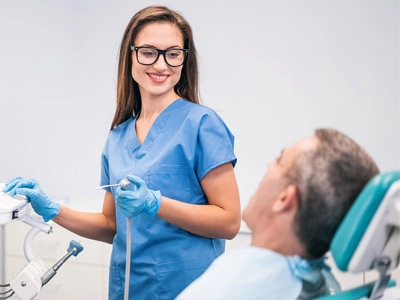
356, 222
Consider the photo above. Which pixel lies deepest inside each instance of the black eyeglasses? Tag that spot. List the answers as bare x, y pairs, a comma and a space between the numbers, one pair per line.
147, 56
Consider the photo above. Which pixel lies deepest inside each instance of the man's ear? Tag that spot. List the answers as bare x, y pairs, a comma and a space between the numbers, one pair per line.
287, 200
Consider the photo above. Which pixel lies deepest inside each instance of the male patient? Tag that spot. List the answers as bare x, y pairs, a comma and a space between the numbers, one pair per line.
293, 216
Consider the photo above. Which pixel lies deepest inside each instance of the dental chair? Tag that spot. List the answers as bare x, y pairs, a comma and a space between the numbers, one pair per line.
368, 239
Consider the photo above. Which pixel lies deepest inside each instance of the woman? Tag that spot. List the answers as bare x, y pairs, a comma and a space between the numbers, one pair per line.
183, 198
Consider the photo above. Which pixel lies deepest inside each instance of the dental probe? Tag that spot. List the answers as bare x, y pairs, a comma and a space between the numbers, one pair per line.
123, 183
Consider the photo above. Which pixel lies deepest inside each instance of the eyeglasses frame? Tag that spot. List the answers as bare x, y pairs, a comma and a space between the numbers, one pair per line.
159, 51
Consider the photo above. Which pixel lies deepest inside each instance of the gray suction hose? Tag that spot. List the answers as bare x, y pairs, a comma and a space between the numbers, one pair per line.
124, 183
128, 258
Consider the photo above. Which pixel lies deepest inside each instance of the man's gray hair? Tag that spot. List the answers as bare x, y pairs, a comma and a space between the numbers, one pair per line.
328, 180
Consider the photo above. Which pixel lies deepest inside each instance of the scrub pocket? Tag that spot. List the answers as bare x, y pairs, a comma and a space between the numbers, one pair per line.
173, 181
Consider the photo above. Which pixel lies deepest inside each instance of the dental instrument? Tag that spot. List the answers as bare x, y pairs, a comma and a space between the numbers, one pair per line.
123, 183
28, 283
74, 249
35, 275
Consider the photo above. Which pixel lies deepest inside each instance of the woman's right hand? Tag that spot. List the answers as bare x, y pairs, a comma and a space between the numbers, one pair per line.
30, 188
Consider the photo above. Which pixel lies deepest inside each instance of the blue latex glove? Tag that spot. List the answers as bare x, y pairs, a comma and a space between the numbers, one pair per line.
137, 198
41, 204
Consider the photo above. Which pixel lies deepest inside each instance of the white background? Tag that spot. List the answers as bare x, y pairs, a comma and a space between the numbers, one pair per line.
274, 71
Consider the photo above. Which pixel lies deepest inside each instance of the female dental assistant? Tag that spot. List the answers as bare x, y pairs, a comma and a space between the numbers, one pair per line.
181, 152
183, 200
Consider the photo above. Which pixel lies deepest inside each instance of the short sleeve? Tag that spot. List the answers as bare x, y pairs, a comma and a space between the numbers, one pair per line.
105, 175
215, 144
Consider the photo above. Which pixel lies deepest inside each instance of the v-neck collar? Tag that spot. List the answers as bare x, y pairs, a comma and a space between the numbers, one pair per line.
155, 130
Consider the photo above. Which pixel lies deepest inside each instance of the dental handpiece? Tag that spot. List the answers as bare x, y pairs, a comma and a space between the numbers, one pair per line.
74, 249
123, 184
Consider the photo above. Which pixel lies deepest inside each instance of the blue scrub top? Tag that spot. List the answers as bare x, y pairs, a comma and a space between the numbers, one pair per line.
186, 141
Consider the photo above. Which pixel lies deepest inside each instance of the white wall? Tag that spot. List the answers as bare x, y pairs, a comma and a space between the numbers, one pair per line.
274, 70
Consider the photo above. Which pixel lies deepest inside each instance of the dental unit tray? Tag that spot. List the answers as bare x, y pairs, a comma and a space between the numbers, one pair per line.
11, 208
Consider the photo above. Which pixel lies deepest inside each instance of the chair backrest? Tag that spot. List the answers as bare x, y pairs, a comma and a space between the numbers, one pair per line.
369, 236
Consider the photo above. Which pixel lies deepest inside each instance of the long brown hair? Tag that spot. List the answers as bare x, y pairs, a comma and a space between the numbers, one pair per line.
129, 101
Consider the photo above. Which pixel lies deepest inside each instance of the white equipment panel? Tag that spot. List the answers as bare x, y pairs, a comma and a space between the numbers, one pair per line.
11, 207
